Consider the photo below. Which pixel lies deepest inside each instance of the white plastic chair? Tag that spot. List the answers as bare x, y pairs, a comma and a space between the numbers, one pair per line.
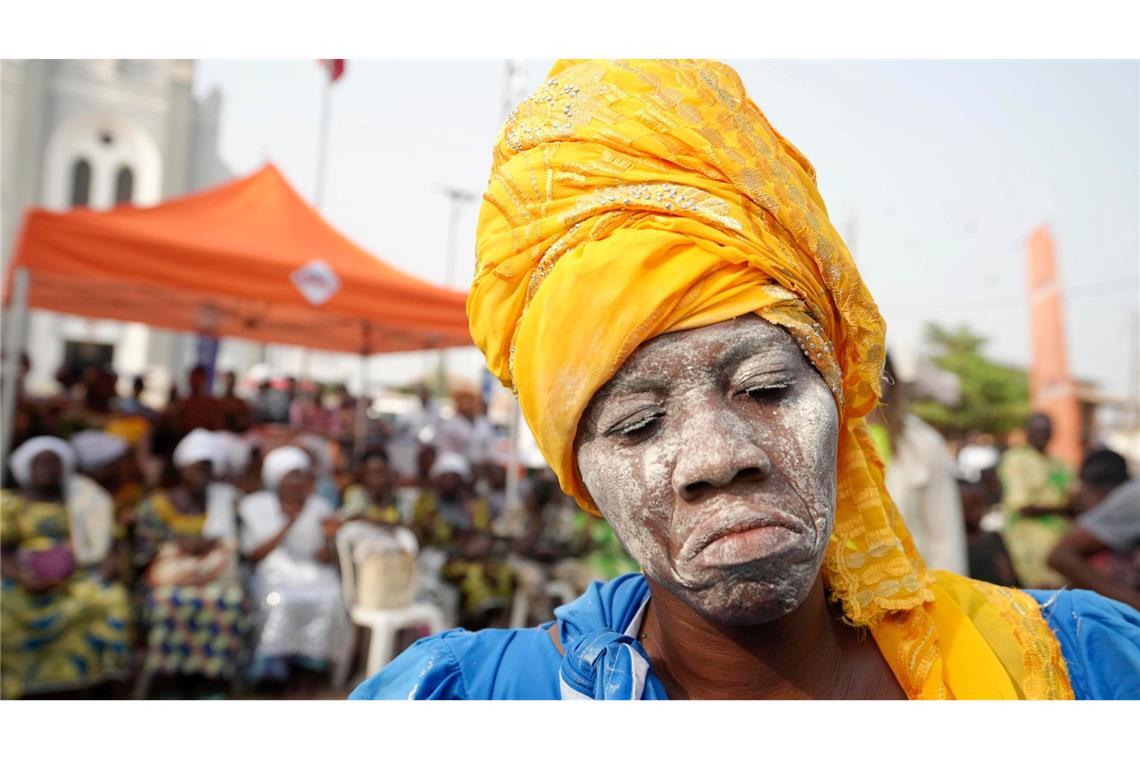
559, 592
385, 624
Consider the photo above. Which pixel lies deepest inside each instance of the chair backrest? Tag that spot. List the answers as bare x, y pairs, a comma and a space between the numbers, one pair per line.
344, 544
348, 538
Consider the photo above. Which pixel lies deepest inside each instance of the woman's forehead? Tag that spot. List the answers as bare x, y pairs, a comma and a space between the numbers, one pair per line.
720, 345
47, 457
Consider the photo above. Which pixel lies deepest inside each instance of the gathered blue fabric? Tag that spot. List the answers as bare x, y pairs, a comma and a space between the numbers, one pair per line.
606, 665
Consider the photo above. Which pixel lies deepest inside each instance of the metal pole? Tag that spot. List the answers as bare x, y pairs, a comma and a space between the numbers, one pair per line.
457, 198
319, 190
14, 349
1134, 368
516, 91
361, 437
323, 143
513, 458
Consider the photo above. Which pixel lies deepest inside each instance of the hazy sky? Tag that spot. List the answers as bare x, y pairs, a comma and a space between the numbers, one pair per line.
936, 172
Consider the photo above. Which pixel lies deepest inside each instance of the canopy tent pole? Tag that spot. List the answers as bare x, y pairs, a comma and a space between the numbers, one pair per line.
13, 350
513, 495
361, 434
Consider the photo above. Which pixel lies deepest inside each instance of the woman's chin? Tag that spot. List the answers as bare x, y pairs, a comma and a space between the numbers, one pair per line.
744, 601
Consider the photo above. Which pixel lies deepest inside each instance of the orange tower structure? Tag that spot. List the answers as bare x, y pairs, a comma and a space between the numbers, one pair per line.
1051, 387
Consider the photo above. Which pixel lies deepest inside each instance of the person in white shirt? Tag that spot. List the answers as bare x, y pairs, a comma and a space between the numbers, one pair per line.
920, 480
287, 531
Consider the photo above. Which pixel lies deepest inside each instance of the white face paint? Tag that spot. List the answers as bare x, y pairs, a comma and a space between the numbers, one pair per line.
712, 453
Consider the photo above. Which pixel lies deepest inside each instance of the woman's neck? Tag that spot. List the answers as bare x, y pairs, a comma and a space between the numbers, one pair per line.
44, 494
807, 654
188, 501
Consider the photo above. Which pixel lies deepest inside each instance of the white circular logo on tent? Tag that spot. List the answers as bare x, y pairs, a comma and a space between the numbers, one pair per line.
316, 281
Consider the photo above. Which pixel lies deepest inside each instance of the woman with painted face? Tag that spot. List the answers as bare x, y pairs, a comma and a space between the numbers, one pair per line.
695, 352
186, 550
64, 622
287, 532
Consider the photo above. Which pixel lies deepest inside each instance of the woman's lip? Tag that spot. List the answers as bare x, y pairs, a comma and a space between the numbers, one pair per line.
718, 526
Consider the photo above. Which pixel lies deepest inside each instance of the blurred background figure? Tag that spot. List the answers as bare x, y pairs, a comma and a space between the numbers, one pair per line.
920, 478
449, 518
236, 412
186, 550
1101, 551
1036, 504
305, 412
262, 402
372, 495
108, 469
64, 620
979, 454
323, 470
546, 548
468, 432
199, 409
301, 625
133, 404
987, 556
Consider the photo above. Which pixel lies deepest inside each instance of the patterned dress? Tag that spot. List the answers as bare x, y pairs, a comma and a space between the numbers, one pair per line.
193, 628
480, 581
1029, 477
71, 636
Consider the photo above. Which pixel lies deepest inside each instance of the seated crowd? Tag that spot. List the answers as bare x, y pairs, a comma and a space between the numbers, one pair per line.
192, 553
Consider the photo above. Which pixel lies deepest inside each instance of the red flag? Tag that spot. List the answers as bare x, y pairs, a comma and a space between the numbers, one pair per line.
334, 66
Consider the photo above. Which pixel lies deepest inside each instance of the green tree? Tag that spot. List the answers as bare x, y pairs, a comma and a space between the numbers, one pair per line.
994, 399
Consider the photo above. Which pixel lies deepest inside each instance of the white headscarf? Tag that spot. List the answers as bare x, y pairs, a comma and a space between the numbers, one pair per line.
318, 449
95, 448
280, 462
21, 459
235, 453
199, 445
450, 461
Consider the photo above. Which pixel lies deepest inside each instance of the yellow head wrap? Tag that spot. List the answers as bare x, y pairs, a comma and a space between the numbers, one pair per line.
629, 199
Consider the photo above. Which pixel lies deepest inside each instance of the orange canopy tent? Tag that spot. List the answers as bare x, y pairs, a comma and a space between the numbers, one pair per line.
248, 259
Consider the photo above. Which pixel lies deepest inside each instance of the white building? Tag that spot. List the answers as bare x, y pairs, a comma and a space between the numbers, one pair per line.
97, 133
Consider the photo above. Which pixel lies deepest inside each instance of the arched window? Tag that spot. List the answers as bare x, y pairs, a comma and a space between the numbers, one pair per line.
80, 182
124, 185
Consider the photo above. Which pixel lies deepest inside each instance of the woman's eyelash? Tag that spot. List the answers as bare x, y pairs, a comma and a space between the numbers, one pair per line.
641, 423
768, 387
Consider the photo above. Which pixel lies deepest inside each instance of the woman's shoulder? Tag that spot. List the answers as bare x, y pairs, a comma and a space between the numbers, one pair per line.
1100, 639
495, 663
257, 500
505, 663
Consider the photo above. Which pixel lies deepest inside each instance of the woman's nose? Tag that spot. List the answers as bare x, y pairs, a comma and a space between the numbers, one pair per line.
721, 450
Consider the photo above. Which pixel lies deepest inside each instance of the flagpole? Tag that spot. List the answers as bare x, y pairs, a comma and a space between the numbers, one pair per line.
323, 142
515, 92
456, 197
322, 161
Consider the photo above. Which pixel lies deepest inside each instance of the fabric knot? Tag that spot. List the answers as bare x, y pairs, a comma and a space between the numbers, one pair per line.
604, 665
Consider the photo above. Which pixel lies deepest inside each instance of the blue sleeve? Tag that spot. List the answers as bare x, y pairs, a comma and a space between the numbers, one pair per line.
427, 669
1100, 640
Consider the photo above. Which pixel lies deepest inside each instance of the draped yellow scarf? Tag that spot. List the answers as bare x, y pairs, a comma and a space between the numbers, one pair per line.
629, 199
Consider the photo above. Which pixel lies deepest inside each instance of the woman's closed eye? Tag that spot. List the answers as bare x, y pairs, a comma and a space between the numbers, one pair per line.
637, 426
766, 389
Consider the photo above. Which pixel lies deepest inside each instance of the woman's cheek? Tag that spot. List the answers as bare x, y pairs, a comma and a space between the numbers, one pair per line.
615, 478
812, 425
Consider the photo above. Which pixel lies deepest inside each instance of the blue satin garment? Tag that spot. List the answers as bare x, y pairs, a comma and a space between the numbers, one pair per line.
1100, 640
